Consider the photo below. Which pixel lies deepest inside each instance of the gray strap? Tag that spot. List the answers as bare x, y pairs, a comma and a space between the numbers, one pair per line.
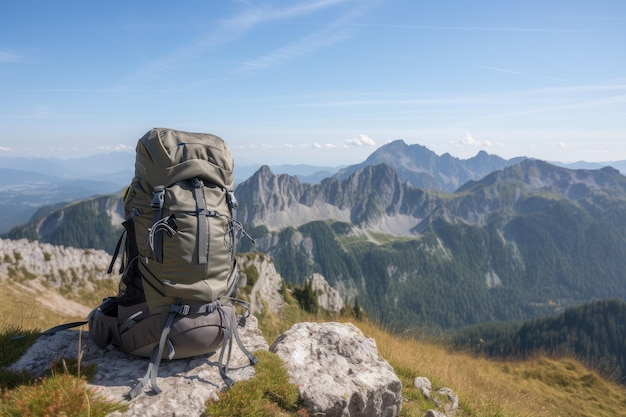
242, 322
198, 194
138, 388
226, 344
253, 359
155, 361
116, 253
230, 332
186, 309
158, 197
59, 328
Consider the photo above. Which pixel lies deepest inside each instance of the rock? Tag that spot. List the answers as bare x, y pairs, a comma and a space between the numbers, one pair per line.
265, 293
339, 371
451, 402
422, 383
186, 383
444, 398
56, 264
328, 298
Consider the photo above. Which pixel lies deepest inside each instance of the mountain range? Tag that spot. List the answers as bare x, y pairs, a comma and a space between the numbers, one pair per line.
513, 240
28, 185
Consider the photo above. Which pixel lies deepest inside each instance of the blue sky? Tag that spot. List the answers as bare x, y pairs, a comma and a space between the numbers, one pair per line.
322, 82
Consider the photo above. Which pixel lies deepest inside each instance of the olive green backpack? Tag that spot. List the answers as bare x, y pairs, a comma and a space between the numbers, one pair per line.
178, 266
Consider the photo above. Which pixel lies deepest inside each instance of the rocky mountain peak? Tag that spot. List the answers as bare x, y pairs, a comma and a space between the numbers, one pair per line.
423, 168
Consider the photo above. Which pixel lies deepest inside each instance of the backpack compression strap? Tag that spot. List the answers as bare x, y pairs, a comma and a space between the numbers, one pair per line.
198, 195
155, 360
231, 332
157, 352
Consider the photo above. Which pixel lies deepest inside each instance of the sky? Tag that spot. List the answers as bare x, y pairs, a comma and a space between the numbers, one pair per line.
320, 82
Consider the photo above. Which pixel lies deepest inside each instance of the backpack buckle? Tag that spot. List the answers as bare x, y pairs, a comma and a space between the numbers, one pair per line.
232, 201
157, 197
182, 310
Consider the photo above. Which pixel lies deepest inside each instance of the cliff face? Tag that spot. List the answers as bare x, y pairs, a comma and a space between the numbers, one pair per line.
372, 198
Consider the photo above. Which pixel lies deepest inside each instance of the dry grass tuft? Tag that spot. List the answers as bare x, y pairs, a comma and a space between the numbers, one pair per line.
537, 387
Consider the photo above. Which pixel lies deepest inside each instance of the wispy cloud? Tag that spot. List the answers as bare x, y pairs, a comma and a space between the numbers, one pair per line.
295, 49
236, 26
516, 102
5, 149
9, 57
333, 32
472, 28
497, 69
254, 16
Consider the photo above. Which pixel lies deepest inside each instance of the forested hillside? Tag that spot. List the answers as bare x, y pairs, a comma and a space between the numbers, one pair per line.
91, 223
595, 333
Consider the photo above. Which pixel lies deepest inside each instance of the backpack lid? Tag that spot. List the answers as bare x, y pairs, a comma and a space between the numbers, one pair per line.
166, 156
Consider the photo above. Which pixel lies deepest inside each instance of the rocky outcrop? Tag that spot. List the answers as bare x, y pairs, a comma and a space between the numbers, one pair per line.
52, 262
186, 383
328, 298
339, 371
265, 292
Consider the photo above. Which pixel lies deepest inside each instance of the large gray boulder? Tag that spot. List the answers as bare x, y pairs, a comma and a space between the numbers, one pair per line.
339, 371
186, 383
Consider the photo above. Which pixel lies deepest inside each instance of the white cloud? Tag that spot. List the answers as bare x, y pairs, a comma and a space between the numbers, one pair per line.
5, 149
361, 140
564, 145
117, 148
270, 146
469, 140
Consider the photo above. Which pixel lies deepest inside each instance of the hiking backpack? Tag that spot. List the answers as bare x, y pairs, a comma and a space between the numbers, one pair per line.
178, 266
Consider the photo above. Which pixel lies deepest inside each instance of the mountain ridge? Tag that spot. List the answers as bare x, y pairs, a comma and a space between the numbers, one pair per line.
422, 168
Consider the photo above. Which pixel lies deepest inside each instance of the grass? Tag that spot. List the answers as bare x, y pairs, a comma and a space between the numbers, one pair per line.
268, 394
26, 308
537, 387
62, 392
57, 395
